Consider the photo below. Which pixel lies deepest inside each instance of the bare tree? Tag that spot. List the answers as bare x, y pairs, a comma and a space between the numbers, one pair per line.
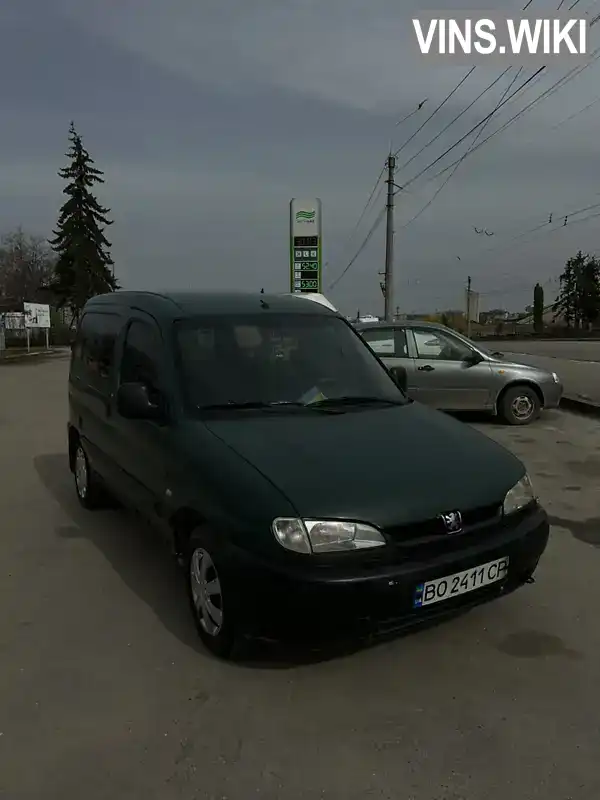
26, 268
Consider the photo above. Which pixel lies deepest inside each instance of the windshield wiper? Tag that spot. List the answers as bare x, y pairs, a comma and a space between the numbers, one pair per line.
254, 404
355, 400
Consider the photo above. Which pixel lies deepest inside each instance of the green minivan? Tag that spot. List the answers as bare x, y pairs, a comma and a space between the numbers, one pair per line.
300, 489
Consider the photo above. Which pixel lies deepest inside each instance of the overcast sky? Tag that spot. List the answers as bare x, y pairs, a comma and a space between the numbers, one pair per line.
207, 117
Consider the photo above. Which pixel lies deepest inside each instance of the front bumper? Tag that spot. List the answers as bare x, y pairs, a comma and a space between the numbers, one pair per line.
317, 603
553, 393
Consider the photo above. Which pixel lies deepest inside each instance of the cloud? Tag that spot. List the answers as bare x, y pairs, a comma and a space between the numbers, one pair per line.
207, 118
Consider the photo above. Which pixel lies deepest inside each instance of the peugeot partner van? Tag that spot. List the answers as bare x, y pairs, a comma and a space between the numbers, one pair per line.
298, 486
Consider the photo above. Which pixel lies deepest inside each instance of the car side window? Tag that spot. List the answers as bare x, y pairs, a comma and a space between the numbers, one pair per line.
390, 342
140, 362
380, 340
433, 345
94, 349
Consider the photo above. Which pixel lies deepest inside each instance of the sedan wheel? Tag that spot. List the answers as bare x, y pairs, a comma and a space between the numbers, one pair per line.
520, 405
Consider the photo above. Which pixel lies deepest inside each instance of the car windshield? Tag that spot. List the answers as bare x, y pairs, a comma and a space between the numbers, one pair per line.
485, 350
271, 360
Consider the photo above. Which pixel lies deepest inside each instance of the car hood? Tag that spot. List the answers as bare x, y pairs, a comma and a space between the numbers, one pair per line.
501, 363
387, 466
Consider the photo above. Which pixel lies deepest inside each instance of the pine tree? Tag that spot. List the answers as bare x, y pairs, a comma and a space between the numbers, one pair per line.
589, 291
83, 267
579, 296
567, 302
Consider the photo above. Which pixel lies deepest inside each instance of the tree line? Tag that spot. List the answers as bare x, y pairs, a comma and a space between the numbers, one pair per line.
75, 264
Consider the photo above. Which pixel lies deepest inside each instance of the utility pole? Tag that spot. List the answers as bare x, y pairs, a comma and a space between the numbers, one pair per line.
388, 292
469, 307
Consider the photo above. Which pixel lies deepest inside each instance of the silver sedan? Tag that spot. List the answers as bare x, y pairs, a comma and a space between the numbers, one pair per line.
452, 373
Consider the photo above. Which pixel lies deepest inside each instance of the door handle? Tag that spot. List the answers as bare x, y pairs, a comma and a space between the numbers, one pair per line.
426, 368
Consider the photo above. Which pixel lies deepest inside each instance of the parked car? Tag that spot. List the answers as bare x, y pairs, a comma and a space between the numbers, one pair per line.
237, 425
452, 373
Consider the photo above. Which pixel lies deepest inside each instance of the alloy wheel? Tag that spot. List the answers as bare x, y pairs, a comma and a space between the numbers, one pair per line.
206, 592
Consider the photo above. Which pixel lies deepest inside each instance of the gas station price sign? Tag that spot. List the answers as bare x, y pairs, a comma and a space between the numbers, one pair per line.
306, 264
305, 246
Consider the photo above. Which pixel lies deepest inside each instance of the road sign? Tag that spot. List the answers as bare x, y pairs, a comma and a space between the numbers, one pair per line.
305, 246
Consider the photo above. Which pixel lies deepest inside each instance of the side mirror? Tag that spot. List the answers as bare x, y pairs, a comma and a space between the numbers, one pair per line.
473, 358
133, 402
400, 377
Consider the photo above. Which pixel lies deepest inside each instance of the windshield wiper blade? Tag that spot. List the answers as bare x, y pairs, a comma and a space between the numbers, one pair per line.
254, 404
354, 400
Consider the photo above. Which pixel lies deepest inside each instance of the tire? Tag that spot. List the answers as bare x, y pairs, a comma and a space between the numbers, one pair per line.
520, 405
215, 612
88, 486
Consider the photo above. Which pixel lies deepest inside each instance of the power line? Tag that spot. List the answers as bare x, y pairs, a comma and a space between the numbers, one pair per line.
474, 128
412, 113
571, 75
549, 228
352, 233
549, 217
564, 222
365, 208
376, 224
459, 162
456, 118
554, 229
576, 114
436, 109
445, 100
410, 138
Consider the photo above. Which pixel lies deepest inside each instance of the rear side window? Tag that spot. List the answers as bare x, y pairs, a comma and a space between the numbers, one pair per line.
94, 348
380, 340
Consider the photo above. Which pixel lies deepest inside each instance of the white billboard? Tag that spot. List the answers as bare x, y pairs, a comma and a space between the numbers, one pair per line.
37, 315
13, 321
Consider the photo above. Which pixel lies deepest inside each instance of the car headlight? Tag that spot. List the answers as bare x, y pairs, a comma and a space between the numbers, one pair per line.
555, 378
324, 536
519, 496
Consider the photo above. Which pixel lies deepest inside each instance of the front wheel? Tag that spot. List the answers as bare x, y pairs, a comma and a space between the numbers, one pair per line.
211, 596
88, 486
520, 405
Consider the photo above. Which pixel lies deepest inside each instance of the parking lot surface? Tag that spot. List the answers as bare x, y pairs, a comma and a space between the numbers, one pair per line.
106, 693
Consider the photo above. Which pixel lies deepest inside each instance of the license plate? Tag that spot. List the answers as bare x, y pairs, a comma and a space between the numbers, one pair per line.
460, 583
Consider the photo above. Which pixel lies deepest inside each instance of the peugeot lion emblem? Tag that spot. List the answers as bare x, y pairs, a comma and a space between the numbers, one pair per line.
452, 521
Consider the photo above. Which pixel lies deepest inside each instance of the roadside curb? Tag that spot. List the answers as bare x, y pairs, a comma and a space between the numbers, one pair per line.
580, 406
17, 358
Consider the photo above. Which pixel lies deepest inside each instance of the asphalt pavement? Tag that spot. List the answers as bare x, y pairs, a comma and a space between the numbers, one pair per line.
105, 691
570, 350
577, 363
